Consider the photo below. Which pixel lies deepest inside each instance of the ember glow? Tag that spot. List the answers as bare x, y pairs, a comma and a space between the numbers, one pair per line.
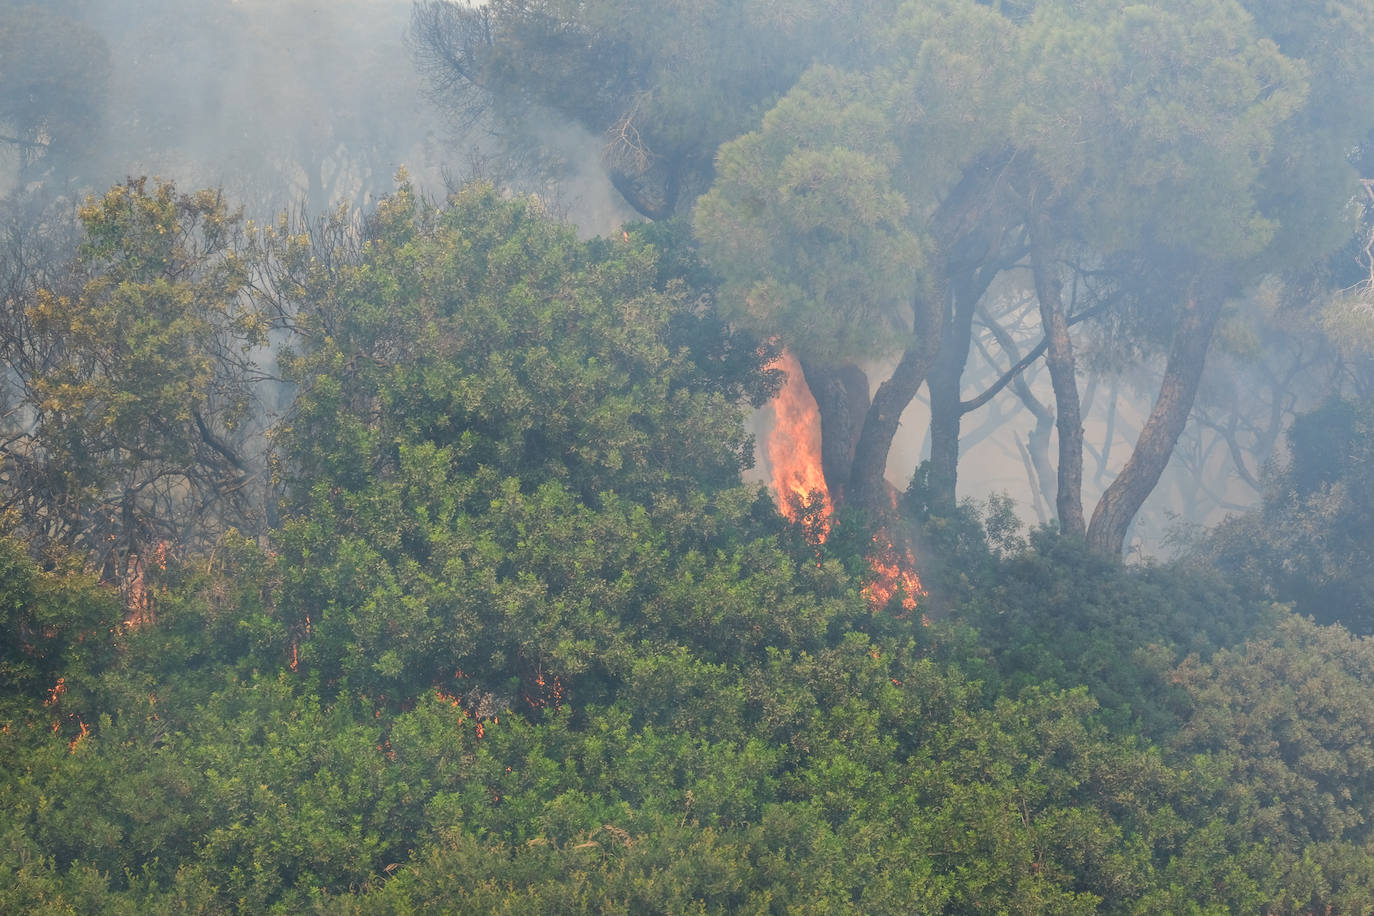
794, 452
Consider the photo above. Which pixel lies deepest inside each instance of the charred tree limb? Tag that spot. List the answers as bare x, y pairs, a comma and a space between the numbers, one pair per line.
217, 444
629, 187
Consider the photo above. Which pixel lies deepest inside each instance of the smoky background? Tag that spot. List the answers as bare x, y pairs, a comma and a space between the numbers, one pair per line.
306, 108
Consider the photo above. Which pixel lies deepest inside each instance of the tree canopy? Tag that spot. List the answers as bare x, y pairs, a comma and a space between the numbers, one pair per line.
130, 404
994, 140
660, 91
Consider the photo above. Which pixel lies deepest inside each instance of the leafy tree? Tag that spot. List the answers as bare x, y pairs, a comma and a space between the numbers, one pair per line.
1057, 614
59, 636
1276, 734
524, 643
507, 461
832, 214
129, 391
1309, 542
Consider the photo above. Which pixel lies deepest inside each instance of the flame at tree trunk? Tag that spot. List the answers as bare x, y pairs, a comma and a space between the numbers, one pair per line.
794, 455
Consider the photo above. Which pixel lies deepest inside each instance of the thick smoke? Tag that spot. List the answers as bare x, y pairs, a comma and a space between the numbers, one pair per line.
283, 104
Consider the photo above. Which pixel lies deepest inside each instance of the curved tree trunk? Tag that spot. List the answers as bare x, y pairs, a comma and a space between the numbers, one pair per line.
1182, 374
1059, 358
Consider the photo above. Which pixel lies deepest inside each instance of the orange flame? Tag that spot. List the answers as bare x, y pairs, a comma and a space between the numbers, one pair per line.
794, 452
140, 598
894, 573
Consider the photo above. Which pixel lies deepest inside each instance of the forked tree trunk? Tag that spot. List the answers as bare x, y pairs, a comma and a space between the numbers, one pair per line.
867, 485
945, 386
1182, 374
1059, 358
958, 226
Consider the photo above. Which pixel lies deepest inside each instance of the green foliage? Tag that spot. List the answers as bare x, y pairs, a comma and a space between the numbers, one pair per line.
1288, 715
807, 228
513, 458
129, 394
259, 793
1314, 178
525, 644
1057, 614
58, 636
1174, 112
1278, 734
489, 330
1310, 542
872, 197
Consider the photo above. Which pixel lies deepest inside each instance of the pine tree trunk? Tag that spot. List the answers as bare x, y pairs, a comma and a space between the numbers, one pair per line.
946, 376
965, 238
1182, 373
867, 486
1059, 358
943, 478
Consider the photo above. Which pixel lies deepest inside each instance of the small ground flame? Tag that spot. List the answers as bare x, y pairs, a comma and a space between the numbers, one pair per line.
794, 452
894, 573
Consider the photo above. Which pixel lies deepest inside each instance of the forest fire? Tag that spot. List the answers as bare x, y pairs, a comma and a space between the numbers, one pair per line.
794, 454
894, 571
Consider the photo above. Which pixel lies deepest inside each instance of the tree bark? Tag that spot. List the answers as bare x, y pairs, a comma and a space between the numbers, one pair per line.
1059, 358
842, 399
868, 487
965, 239
943, 477
945, 383
1182, 373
